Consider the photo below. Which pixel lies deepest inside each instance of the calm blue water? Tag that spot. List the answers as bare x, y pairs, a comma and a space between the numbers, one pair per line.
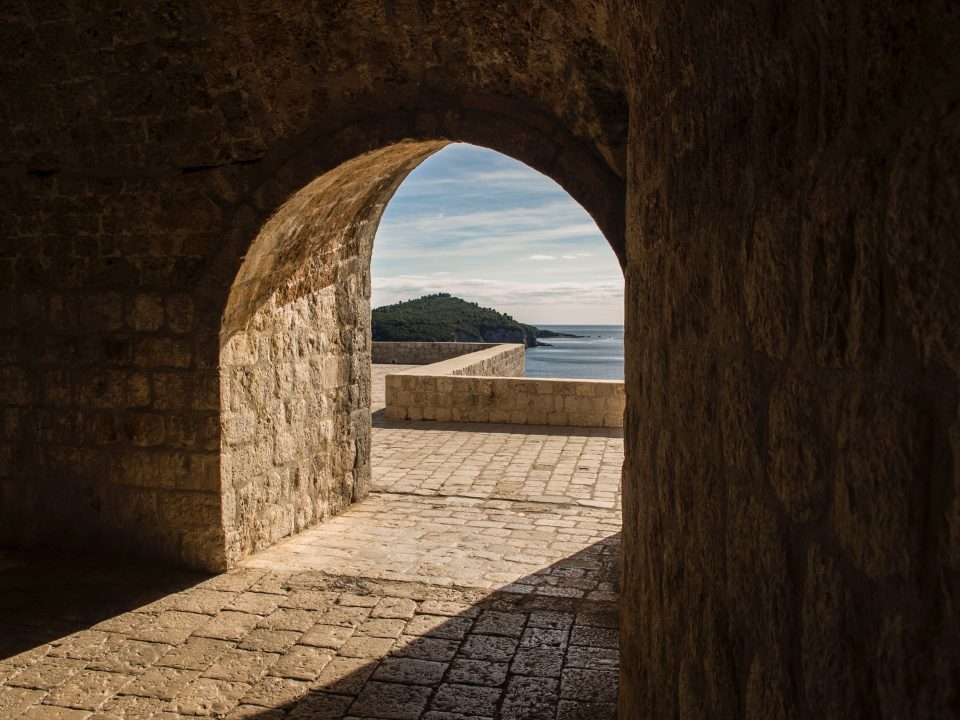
598, 354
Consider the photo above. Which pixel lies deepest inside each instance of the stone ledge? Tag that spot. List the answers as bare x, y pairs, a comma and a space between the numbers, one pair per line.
421, 353
485, 386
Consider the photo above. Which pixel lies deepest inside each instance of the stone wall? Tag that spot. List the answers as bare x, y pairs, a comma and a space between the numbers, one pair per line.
792, 485
141, 155
130, 201
295, 356
422, 353
292, 454
506, 360
488, 387
514, 400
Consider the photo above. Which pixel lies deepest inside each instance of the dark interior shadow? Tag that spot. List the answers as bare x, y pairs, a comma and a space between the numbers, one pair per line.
44, 597
544, 646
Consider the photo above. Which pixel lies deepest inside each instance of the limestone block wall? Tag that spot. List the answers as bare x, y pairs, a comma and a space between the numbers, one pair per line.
488, 386
293, 443
422, 353
295, 356
109, 437
507, 360
142, 153
518, 401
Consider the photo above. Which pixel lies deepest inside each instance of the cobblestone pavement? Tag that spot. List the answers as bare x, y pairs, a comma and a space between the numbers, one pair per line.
510, 462
534, 463
429, 601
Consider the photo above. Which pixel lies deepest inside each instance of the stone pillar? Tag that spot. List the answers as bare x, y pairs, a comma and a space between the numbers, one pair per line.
295, 355
791, 495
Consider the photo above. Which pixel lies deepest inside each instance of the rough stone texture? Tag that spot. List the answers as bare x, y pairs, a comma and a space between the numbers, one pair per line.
295, 356
505, 360
421, 353
425, 667
519, 401
143, 152
791, 361
509, 462
789, 173
469, 504
488, 386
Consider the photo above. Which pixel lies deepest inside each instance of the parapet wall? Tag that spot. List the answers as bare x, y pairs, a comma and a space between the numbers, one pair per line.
423, 353
506, 360
487, 386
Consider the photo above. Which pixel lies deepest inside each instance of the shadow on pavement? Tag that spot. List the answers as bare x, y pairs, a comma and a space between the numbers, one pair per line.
134, 641
44, 597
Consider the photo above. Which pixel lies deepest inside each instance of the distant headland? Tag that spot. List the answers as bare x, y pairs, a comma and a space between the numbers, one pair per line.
442, 317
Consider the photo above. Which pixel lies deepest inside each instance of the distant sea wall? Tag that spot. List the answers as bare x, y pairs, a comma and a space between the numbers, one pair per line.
423, 353
488, 386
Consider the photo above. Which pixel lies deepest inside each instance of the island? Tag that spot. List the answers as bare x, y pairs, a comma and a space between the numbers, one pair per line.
441, 317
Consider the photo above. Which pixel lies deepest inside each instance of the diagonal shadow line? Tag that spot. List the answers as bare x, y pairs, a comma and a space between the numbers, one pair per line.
380, 420
544, 646
514, 653
46, 596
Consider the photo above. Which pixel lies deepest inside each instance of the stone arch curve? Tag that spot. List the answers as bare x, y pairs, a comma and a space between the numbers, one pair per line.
519, 129
294, 338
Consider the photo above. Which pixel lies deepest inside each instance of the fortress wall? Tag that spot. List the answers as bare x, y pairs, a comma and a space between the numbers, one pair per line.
422, 353
481, 387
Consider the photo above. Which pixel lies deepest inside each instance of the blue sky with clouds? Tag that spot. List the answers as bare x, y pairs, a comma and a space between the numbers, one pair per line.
482, 226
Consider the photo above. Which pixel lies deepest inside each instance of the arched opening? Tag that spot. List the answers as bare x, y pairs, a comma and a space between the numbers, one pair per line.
295, 354
296, 449
472, 242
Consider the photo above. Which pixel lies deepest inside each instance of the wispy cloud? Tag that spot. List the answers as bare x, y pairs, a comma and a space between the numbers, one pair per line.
489, 231
391, 289
479, 225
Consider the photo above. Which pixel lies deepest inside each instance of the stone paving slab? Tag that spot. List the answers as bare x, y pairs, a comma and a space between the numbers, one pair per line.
448, 541
525, 462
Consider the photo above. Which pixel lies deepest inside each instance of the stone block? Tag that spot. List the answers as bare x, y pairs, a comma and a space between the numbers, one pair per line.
145, 313
178, 310
163, 353
145, 429
102, 310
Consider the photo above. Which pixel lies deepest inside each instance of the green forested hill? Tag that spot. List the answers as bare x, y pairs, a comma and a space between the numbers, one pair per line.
444, 318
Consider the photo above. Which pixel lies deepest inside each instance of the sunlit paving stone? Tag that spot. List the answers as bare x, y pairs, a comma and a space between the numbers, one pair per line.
448, 593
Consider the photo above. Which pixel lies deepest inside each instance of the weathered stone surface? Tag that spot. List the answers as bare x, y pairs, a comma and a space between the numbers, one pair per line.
782, 363
488, 386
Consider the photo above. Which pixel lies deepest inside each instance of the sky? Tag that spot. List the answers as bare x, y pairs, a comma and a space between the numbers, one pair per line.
487, 228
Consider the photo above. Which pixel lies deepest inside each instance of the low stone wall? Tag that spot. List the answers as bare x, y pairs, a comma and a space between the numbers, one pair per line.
487, 386
422, 353
491, 361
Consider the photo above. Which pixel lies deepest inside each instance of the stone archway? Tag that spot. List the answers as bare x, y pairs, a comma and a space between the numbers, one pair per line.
141, 195
294, 357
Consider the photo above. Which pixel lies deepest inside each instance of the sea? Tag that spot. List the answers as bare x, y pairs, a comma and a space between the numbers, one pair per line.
596, 354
